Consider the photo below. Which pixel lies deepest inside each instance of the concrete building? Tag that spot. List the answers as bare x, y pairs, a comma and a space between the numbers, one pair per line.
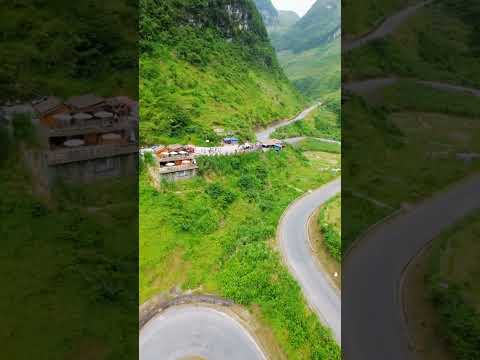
85, 138
174, 162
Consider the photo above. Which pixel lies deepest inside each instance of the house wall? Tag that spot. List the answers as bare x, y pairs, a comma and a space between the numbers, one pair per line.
179, 175
81, 171
91, 170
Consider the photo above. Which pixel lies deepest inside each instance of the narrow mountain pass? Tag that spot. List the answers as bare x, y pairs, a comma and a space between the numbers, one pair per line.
373, 272
196, 331
319, 291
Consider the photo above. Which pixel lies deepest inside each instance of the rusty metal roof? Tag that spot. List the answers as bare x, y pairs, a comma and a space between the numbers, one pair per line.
84, 101
47, 105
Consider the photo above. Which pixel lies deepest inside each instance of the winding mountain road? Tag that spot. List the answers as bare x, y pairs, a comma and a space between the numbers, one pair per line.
388, 26
320, 293
372, 85
187, 332
264, 134
373, 271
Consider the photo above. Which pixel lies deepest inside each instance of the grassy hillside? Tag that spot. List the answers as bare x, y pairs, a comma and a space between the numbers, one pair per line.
204, 66
315, 72
216, 234
321, 24
69, 48
329, 221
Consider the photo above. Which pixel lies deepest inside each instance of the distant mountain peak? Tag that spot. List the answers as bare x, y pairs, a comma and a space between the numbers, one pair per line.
268, 11
276, 21
321, 24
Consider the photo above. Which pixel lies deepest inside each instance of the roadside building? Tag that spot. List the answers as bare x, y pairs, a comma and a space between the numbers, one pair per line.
84, 138
174, 162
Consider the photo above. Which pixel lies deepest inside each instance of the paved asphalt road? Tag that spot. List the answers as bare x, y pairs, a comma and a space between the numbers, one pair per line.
371, 85
196, 331
386, 27
293, 236
297, 139
374, 326
263, 135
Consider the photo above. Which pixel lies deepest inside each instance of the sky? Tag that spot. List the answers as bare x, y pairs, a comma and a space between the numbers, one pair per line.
299, 6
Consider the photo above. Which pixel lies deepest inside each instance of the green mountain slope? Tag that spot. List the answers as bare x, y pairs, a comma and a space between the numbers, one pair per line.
287, 18
321, 24
309, 51
315, 72
208, 64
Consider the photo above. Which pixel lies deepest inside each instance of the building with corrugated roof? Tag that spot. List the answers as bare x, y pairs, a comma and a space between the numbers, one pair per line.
87, 137
174, 162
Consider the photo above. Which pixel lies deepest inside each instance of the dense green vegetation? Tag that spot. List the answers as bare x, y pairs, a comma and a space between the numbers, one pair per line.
329, 221
324, 122
454, 290
214, 234
359, 17
203, 67
439, 43
66, 49
69, 266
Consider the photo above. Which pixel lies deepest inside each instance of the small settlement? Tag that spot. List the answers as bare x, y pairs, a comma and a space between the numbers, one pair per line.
84, 138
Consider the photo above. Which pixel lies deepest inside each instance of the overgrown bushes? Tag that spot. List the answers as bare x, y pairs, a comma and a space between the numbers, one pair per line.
460, 321
329, 221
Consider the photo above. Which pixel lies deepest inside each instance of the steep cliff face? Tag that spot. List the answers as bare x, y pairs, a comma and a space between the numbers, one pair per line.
269, 13
206, 64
